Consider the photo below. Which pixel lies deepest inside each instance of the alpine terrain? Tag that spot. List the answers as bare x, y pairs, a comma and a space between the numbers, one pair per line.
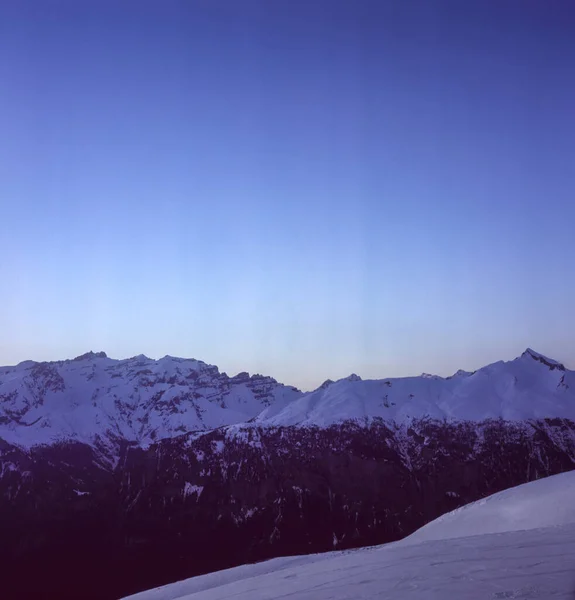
130, 474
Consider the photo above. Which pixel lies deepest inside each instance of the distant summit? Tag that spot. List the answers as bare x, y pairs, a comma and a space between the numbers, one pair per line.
325, 384
89, 355
353, 377
549, 362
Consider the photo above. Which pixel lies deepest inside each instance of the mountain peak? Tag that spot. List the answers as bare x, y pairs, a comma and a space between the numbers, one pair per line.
353, 377
89, 355
461, 373
325, 384
548, 362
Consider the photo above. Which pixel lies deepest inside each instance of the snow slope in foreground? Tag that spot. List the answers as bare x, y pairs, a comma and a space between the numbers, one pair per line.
535, 562
544, 503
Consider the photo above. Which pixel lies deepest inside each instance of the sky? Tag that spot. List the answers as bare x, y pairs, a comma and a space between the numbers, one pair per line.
303, 189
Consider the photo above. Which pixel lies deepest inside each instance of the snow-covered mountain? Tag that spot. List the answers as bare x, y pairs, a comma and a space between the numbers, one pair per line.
93, 398
529, 387
135, 473
138, 399
504, 560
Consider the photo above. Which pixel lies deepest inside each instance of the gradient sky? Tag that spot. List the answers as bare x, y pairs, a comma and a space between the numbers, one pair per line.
294, 187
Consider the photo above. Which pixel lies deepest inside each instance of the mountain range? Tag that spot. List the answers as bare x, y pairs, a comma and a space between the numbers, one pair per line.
134, 473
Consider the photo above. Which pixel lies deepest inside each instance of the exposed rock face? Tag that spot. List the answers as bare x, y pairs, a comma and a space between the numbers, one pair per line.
205, 501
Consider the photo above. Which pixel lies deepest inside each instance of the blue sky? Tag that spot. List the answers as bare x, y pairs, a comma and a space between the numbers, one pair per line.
302, 189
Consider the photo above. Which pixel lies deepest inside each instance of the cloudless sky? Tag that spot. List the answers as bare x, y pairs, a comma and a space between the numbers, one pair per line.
299, 188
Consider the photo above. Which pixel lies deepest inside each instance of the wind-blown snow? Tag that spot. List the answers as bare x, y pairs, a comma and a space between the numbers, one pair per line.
449, 558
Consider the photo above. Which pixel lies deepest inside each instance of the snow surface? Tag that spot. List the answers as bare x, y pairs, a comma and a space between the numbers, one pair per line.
533, 562
190, 489
546, 502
